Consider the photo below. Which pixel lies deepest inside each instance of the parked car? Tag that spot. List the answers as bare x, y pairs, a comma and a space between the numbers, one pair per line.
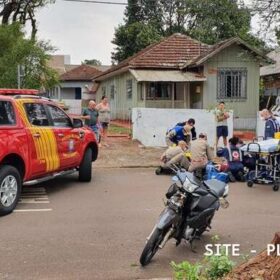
39, 141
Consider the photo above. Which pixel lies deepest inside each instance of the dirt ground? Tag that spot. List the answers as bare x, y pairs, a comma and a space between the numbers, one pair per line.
124, 152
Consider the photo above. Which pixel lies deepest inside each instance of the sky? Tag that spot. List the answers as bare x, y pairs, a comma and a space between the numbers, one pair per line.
84, 30
81, 30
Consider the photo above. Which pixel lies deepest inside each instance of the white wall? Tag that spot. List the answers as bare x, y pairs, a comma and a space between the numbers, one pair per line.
150, 125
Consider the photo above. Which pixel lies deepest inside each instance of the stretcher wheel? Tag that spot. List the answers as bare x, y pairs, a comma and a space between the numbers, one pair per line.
276, 188
250, 184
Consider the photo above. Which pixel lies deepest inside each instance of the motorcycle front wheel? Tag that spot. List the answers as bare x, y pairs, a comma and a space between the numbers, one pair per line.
151, 246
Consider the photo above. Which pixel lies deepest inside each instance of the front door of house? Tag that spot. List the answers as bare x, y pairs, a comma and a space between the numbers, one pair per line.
196, 95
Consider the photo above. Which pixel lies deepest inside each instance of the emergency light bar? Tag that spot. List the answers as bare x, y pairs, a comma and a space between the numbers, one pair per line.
14, 91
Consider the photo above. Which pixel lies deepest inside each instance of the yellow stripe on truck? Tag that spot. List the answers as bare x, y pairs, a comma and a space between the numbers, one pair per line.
45, 145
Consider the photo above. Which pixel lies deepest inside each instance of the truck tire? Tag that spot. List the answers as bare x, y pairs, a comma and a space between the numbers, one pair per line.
10, 189
85, 166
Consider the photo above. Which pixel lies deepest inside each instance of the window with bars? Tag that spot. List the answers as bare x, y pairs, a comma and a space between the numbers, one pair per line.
129, 89
232, 83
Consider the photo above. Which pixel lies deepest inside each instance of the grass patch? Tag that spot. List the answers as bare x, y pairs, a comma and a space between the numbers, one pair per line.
114, 129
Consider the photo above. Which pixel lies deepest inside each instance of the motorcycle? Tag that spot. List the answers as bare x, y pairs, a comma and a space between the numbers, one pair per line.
190, 208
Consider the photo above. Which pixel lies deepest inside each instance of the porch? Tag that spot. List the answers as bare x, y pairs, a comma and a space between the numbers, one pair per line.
169, 89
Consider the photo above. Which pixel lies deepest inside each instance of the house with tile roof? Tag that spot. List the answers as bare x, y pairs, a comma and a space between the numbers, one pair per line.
180, 72
76, 85
271, 75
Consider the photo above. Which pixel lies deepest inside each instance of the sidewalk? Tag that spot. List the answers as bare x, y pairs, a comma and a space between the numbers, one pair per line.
123, 152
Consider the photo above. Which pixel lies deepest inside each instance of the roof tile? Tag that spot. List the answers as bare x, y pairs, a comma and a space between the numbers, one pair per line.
80, 73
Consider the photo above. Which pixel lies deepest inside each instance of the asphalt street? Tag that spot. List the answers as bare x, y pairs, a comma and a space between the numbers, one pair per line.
63, 229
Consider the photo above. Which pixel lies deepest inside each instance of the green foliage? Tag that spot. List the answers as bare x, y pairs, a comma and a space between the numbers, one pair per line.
218, 20
212, 268
207, 21
31, 55
94, 62
186, 271
218, 266
133, 38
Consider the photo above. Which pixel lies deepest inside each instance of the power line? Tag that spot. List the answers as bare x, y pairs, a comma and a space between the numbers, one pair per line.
99, 2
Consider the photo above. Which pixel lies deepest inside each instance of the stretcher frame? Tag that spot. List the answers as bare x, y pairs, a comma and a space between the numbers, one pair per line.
271, 168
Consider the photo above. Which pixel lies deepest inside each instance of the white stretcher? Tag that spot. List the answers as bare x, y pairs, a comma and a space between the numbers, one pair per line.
266, 146
267, 155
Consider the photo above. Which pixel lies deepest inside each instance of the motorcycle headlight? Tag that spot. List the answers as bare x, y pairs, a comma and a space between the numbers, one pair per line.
189, 187
226, 191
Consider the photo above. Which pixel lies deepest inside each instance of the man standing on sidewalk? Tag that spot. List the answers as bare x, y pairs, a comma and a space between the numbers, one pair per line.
90, 115
221, 119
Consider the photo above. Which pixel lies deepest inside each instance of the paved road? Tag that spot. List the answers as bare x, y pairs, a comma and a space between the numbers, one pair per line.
97, 230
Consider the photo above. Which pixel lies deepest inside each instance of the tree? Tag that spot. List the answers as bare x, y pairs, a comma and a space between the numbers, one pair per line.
216, 20
32, 56
269, 11
22, 11
269, 14
209, 21
142, 27
132, 38
94, 62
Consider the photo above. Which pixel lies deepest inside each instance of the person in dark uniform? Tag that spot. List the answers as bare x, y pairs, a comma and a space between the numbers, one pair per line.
234, 157
271, 124
190, 122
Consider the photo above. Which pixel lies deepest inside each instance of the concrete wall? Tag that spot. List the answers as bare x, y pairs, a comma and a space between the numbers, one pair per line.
234, 57
150, 125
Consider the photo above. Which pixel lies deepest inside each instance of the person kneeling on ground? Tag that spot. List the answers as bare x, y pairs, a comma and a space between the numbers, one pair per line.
174, 155
234, 156
201, 153
179, 133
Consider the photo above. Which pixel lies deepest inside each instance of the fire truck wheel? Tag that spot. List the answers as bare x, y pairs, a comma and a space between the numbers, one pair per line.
10, 189
85, 167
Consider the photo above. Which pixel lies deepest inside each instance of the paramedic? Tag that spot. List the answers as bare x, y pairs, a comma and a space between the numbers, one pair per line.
175, 155
179, 133
201, 153
234, 156
271, 124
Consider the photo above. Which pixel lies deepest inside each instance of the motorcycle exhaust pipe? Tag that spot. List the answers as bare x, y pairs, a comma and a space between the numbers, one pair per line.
166, 237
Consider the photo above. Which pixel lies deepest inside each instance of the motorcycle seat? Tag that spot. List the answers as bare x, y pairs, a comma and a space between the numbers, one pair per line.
216, 186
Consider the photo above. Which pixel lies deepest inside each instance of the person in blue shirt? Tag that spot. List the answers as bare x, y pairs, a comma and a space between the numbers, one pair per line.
191, 122
271, 124
178, 133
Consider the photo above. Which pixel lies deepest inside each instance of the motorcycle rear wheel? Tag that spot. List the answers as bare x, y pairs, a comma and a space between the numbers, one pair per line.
151, 246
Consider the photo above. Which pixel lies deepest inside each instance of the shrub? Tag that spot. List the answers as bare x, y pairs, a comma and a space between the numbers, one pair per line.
186, 271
